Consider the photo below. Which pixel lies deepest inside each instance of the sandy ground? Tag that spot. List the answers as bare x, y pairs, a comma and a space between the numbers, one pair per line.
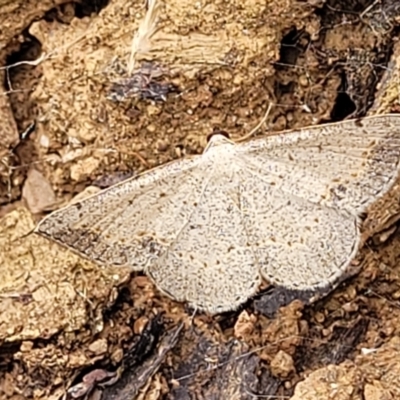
74, 115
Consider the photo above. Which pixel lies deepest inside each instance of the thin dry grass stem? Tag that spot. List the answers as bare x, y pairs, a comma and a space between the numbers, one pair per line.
340, 10
369, 8
44, 56
138, 156
392, 303
259, 125
265, 396
147, 28
8, 168
253, 351
33, 63
303, 107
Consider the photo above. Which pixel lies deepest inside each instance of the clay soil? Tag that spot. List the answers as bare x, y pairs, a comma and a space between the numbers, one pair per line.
75, 113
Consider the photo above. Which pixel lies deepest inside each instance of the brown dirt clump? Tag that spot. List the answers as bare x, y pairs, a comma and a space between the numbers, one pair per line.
47, 293
75, 114
212, 65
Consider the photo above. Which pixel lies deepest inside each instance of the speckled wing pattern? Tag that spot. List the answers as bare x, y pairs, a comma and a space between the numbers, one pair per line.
208, 228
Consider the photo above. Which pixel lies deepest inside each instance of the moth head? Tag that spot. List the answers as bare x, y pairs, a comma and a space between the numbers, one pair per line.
217, 140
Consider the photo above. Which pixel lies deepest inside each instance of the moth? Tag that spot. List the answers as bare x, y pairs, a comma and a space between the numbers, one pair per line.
208, 228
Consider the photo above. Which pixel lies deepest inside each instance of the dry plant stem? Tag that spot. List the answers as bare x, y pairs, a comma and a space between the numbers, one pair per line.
259, 125
147, 28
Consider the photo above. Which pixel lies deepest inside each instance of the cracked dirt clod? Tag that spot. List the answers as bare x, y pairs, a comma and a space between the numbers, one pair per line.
39, 299
372, 376
59, 295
